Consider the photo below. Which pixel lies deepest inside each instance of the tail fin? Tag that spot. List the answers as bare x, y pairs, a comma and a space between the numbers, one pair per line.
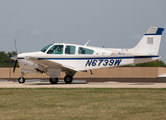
150, 42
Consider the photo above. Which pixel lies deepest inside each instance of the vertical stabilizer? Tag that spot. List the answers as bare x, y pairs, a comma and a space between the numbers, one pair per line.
150, 42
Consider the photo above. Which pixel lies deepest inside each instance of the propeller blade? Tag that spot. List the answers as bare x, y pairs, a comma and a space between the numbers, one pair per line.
15, 65
15, 46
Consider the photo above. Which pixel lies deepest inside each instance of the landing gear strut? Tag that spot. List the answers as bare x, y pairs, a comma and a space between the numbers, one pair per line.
68, 79
54, 80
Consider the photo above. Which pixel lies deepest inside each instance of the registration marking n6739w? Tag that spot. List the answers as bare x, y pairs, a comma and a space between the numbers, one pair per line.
104, 62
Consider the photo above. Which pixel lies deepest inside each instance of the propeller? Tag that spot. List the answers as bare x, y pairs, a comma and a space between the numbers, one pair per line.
15, 46
15, 65
16, 61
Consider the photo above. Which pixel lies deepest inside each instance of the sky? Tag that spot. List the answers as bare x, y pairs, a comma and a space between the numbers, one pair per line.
110, 23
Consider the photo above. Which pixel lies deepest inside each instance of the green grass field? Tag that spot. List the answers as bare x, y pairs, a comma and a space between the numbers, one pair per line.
88, 103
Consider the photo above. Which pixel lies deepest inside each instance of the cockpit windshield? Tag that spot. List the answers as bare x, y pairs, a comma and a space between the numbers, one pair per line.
45, 48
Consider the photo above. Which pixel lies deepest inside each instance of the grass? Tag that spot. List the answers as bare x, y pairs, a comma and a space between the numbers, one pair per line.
80, 103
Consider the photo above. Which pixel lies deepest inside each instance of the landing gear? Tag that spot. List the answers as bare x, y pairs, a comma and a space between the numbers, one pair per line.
68, 79
54, 80
21, 80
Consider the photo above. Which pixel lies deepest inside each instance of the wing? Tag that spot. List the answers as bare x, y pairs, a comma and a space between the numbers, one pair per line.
48, 63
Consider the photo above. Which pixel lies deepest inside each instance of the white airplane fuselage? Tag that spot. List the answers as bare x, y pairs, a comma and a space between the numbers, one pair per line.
101, 58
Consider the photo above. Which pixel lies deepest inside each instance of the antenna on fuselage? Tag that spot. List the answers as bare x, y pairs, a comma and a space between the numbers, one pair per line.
86, 43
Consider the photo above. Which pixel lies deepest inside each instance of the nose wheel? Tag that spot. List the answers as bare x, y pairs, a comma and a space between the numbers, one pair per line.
21, 80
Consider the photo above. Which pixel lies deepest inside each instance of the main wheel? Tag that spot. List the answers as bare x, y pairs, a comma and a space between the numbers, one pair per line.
21, 80
54, 80
68, 79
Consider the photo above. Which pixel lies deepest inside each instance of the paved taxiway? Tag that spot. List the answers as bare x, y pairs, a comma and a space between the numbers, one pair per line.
78, 84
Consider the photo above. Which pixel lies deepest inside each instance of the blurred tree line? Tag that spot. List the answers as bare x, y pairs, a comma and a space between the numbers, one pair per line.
157, 63
5, 61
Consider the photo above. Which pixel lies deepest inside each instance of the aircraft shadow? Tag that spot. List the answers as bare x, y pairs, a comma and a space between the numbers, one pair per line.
42, 83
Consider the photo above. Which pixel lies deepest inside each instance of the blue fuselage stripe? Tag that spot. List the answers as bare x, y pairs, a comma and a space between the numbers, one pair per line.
90, 58
130, 57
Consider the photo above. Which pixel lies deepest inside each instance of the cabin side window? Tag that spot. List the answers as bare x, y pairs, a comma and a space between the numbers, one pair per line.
70, 49
82, 50
56, 49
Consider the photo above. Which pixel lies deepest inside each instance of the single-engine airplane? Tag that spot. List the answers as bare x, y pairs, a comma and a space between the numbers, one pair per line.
72, 58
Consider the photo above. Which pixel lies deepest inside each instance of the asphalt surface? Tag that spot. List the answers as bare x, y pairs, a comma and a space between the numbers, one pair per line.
78, 84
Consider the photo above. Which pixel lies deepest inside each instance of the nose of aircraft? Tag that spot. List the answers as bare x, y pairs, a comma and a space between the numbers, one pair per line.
22, 56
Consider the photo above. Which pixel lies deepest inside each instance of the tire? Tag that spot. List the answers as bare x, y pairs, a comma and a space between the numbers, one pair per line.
54, 80
21, 80
68, 79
